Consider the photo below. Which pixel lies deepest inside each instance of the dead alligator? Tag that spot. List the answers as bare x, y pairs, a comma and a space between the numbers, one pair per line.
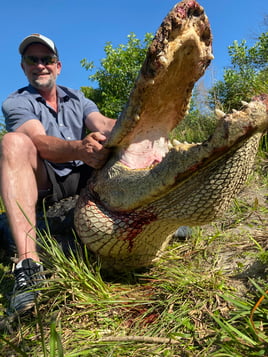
146, 190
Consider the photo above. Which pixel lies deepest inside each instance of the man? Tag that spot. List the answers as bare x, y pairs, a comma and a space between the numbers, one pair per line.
44, 153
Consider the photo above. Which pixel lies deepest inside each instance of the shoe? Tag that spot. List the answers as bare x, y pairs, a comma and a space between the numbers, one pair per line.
28, 278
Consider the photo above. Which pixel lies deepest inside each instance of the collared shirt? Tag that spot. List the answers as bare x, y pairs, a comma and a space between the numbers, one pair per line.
68, 123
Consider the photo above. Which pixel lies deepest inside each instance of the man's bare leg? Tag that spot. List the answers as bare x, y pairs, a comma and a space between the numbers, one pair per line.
22, 173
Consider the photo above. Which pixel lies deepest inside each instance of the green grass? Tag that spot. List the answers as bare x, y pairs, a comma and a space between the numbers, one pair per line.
2, 206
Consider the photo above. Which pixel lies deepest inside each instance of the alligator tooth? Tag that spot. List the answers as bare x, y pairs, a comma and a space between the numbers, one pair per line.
219, 113
150, 81
176, 142
170, 146
244, 103
234, 110
163, 60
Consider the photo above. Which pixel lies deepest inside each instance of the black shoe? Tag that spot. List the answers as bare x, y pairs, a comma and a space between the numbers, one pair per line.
28, 279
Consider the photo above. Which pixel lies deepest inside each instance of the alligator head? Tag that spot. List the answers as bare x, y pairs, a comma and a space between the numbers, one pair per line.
130, 207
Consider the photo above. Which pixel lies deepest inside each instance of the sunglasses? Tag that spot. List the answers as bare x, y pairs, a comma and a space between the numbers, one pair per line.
45, 60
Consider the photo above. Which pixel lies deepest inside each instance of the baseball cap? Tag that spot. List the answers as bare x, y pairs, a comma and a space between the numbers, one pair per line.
37, 38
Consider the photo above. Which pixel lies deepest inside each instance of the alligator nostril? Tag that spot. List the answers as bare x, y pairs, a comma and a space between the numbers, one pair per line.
196, 12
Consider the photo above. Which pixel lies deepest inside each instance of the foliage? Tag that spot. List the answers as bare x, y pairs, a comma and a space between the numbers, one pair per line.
247, 76
199, 123
117, 74
2, 129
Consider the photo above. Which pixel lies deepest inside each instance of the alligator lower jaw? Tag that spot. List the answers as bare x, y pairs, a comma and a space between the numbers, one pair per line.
121, 188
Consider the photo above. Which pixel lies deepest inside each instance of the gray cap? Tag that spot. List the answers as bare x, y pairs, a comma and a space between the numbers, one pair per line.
37, 38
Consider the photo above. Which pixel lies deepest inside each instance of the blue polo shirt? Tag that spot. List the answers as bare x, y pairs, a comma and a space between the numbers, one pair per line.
68, 123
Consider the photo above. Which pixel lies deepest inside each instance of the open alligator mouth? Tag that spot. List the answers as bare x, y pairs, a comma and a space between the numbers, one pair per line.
146, 190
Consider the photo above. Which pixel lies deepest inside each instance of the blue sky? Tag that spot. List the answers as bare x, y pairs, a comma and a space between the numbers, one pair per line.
81, 28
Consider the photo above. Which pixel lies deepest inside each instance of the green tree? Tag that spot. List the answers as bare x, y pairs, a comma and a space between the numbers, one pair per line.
117, 74
200, 121
247, 76
2, 127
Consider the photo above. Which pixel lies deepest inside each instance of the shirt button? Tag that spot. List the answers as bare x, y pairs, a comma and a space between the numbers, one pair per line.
69, 138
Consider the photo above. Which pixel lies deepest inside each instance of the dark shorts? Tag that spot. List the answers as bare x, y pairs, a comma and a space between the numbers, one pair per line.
66, 186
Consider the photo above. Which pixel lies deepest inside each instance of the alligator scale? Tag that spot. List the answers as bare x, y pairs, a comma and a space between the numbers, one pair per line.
130, 207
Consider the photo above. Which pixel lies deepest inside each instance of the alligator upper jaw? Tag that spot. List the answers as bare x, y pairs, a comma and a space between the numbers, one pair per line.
176, 59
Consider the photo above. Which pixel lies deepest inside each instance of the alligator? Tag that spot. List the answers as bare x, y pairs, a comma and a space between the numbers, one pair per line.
148, 188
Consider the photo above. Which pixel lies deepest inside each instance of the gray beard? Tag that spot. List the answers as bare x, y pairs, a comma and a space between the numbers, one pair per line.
47, 85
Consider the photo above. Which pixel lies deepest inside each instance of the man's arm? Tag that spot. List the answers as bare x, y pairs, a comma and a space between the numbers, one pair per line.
95, 121
89, 150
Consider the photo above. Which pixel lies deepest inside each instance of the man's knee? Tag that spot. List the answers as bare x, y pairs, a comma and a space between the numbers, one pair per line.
17, 145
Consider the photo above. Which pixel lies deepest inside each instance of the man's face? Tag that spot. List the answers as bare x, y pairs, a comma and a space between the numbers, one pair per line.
42, 76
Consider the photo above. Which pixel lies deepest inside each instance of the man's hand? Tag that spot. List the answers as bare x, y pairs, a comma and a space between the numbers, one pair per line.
92, 151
